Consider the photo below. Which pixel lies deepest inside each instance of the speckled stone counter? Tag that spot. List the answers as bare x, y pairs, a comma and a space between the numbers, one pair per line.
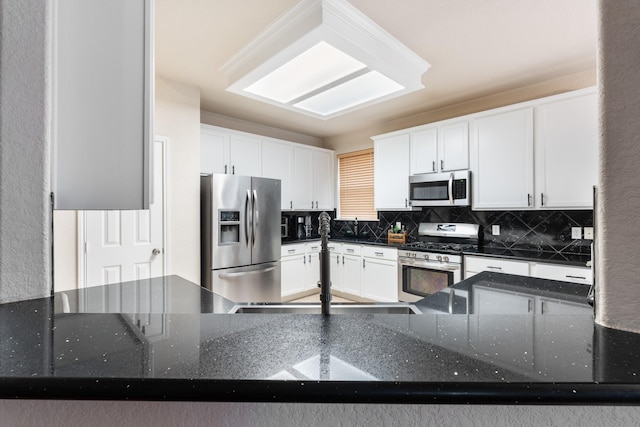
495, 339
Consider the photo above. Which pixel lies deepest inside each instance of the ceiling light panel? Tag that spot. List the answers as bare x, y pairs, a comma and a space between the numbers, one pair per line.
360, 90
317, 67
324, 58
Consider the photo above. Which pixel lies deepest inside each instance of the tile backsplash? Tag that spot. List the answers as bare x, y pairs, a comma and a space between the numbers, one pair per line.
538, 230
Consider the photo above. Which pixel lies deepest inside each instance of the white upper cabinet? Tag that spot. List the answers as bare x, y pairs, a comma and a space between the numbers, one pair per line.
302, 183
245, 155
566, 152
306, 173
502, 160
391, 172
277, 163
453, 146
540, 154
102, 78
323, 173
213, 150
424, 151
225, 151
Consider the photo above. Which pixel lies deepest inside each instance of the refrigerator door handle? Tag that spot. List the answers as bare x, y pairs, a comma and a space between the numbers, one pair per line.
247, 273
256, 219
247, 219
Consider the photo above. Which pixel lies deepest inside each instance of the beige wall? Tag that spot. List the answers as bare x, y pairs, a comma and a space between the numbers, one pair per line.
177, 117
362, 139
250, 127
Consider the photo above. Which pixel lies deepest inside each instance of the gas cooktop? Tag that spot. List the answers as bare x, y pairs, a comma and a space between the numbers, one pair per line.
445, 238
440, 247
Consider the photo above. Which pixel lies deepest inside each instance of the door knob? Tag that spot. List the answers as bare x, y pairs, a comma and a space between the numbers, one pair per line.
155, 251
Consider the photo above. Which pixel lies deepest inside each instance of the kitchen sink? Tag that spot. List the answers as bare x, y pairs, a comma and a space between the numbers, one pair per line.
316, 309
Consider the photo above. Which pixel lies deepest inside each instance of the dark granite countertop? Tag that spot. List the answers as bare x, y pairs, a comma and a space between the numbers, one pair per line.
510, 339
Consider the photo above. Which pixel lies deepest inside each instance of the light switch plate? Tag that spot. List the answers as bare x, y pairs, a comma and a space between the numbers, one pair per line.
588, 233
495, 230
576, 232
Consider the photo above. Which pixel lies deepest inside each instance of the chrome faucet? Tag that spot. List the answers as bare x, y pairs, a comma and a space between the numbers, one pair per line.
325, 263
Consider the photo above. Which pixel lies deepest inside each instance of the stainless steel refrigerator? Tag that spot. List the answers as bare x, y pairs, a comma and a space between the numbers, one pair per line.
240, 237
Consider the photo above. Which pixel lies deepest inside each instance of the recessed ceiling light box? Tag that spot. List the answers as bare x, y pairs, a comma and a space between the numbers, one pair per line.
324, 58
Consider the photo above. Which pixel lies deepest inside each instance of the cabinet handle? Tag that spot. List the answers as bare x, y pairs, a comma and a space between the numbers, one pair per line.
309, 258
225, 169
406, 203
528, 199
441, 165
494, 268
233, 170
291, 251
575, 277
312, 204
433, 166
542, 307
363, 263
338, 259
379, 254
291, 204
342, 259
529, 306
541, 199
350, 250
304, 259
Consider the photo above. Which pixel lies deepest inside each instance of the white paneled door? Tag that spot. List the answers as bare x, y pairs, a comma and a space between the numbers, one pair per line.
121, 246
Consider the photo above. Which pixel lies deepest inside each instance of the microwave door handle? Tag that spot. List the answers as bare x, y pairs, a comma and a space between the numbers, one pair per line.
451, 188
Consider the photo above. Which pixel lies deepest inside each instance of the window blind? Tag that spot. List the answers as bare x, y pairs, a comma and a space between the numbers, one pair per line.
356, 185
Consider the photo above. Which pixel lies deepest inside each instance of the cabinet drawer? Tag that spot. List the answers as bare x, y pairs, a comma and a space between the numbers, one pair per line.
313, 247
478, 264
335, 248
381, 252
562, 272
348, 249
292, 249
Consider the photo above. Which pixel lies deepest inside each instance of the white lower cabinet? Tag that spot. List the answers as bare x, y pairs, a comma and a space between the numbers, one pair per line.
335, 250
379, 277
351, 269
293, 268
364, 271
475, 264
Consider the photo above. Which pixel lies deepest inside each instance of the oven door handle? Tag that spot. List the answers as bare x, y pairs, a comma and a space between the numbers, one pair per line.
451, 188
451, 296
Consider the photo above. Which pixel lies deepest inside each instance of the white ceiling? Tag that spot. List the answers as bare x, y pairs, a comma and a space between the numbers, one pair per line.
475, 48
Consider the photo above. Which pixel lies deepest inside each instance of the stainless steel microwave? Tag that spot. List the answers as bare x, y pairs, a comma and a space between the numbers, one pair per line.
440, 189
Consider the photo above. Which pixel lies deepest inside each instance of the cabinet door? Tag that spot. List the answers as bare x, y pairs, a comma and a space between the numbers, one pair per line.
245, 155
379, 279
213, 151
102, 132
277, 163
336, 266
567, 152
293, 270
391, 172
453, 146
502, 161
351, 269
424, 151
312, 270
302, 184
323, 180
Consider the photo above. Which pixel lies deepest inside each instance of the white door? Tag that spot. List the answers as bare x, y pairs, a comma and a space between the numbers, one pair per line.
121, 246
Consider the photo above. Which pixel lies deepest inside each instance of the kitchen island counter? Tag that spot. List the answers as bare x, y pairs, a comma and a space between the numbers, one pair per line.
169, 339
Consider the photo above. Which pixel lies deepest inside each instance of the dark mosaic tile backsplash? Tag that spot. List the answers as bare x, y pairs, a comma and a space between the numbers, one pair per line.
548, 231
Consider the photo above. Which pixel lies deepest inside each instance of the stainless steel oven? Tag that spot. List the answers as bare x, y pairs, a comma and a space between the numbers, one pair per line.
421, 274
